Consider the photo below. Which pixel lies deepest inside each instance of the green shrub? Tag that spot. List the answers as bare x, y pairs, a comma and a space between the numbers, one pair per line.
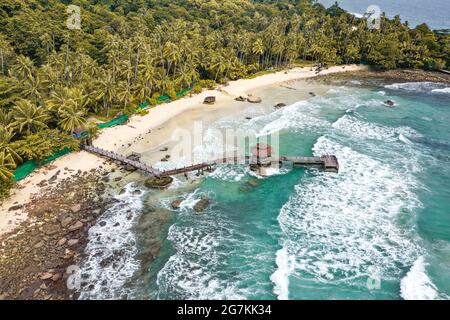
142, 112
5, 188
197, 89
172, 93
43, 144
153, 102
208, 84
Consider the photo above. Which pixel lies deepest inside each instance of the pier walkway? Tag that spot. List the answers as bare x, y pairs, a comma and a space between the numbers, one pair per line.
328, 163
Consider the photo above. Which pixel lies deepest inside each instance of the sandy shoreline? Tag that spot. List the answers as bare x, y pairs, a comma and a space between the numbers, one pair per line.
120, 138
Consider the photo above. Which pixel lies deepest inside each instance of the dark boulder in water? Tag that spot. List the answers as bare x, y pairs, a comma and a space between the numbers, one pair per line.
176, 203
158, 183
389, 103
253, 182
201, 205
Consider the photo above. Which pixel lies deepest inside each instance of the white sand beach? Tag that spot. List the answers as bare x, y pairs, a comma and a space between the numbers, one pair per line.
120, 137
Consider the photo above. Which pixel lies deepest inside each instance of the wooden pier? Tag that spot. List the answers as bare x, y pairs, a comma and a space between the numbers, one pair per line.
117, 157
328, 163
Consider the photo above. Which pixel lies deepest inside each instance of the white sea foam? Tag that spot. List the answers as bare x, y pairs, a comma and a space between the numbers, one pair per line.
443, 90
230, 172
354, 127
416, 285
413, 86
296, 117
404, 139
110, 253
190, 201
285, 265
338, 225
193, 272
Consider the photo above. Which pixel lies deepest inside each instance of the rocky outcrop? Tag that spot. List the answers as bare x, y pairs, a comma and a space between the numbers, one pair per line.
389, 103
240, 98
254, 99
158, 183
34, 261
209, 100
176, 203
279, 105
201, 205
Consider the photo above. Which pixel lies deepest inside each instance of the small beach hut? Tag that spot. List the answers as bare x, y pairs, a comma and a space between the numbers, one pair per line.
262, 150
79, 133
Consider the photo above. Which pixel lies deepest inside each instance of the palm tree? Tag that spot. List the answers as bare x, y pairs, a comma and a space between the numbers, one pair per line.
72, 116
139, 90
6, 167
106, 91
147, 72
27, 118
7, 146
124, 94
187, 74
47, 43
23, 68
6, 54
171, 54
5, 117
32, 89
161, 81
258, 48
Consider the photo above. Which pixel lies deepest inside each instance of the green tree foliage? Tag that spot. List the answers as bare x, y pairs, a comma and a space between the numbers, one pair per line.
43, 144
27, 117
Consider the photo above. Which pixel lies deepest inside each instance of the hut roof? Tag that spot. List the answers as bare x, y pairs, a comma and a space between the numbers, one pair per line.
79, 130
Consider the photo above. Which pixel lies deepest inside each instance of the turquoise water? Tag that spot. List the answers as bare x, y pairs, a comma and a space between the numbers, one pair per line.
434, 12
379, 229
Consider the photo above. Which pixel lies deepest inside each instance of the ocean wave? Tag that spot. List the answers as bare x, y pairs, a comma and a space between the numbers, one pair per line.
285, 265
416, 285
295, 117
414, 86
443, 90
230, 172
110, 253
354, 127
195, 270
341, 226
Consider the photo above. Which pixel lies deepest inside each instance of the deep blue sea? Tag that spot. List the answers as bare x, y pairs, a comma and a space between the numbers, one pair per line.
378, 229
435, 13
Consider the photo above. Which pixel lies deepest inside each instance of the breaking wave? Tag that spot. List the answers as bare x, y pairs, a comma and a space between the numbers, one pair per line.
110, 253
416, 285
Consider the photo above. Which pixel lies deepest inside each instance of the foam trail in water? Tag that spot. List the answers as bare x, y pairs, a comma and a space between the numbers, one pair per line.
339, 225
110, 253
356, 128
444, 90
295, 117
416, 285
417, 86
280, 277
